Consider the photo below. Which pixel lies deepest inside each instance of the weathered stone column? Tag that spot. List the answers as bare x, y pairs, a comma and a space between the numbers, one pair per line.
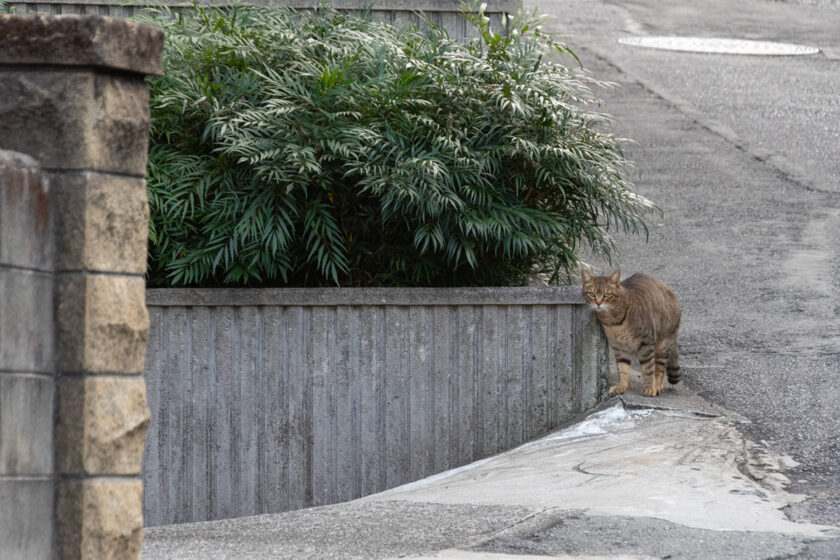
73, 96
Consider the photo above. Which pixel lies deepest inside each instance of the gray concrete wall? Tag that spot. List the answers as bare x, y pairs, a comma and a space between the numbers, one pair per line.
444, 13
270, 400
27, 358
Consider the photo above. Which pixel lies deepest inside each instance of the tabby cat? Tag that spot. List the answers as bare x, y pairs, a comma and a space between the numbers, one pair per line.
640, 317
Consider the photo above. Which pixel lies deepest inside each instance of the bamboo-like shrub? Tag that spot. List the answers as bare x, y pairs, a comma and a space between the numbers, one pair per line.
315, 148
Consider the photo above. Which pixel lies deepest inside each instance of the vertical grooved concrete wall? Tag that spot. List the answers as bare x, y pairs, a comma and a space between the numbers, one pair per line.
271, 400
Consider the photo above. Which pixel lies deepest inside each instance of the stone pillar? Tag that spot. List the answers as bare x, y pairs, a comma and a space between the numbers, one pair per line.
73, 96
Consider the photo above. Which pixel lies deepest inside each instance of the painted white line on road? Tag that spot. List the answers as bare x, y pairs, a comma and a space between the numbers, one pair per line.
719, 46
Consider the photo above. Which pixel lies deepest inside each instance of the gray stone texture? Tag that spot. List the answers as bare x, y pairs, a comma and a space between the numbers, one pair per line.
26, 518
260, 408
103, 222
100, 519
26, 360
103, 323
25, 309
76, 119
101, 425
26, 255
26, 425
25, 214
81, 40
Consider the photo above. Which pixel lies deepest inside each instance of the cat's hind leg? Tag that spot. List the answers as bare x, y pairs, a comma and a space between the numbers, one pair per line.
662, 353
647, 356
673, 365
659, 375
622, 359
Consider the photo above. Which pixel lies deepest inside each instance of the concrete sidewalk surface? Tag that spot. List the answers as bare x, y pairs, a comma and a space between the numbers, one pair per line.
669, 477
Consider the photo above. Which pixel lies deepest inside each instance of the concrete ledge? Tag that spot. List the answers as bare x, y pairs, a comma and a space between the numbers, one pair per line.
80, 40
493, 6
314, 297
443, 13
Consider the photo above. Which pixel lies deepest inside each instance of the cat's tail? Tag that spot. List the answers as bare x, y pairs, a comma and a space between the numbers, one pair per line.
672, 367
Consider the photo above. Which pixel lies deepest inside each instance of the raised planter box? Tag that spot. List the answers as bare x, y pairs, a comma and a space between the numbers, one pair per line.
444, 13
276, 399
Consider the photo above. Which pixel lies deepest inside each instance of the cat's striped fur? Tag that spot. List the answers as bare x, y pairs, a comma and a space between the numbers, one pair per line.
640, 317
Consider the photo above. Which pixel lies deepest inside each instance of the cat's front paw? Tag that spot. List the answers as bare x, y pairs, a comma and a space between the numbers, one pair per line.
617, 390
650, 392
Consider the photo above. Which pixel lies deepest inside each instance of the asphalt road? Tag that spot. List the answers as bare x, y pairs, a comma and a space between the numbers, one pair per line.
742, 154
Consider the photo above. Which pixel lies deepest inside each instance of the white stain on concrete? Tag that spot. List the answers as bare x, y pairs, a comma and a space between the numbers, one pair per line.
613, 419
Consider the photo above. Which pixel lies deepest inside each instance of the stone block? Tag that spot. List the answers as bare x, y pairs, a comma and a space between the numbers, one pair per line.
101, 425
26, 239
27, 332
26, 519
26, 425
103, 324
100, 519
81, 40
121, 128
76, 120
103, 222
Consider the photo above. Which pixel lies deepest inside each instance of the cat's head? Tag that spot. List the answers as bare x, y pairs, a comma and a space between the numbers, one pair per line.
601, 292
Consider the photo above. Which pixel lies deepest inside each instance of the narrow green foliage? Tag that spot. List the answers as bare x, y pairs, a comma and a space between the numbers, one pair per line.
294, 148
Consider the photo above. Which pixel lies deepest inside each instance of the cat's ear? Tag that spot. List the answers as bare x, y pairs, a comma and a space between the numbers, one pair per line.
586, 277
615, 278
